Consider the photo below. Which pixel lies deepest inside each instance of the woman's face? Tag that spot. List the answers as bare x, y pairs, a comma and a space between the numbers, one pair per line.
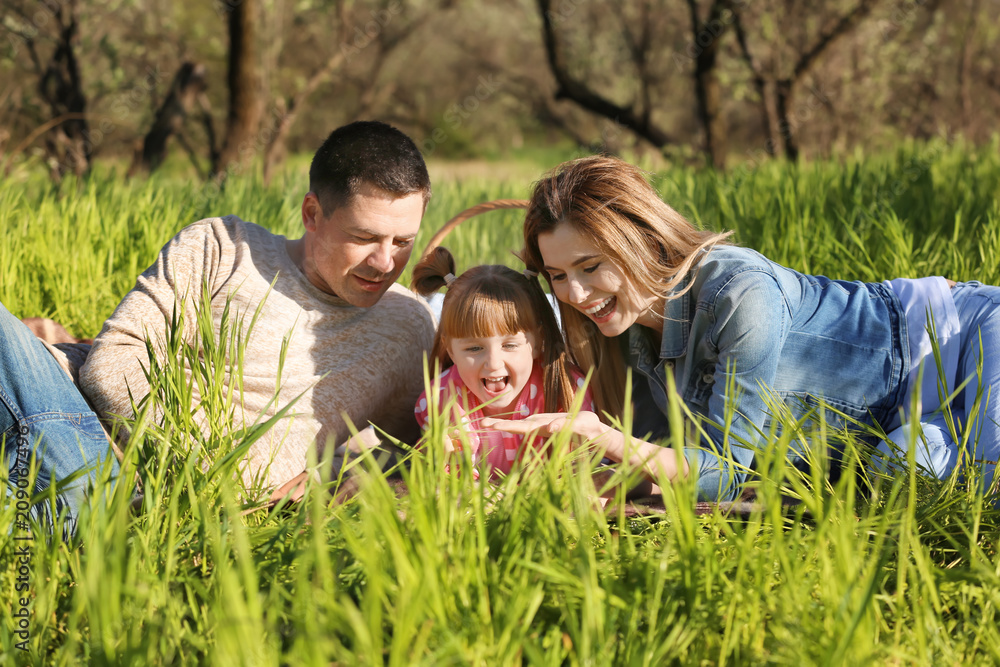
587, 280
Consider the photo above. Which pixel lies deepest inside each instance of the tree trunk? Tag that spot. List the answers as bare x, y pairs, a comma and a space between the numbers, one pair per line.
965, 67
61, 86
188, 85
761, 85
245, 105
778, 109
783, 100
706, 84
786, 88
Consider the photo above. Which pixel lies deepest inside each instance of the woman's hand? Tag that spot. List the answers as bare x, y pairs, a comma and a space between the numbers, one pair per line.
656, 462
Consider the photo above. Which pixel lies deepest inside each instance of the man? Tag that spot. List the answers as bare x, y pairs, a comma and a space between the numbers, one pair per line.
325, 312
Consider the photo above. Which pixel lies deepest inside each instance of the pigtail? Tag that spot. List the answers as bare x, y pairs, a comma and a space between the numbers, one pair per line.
558, 383
429, 275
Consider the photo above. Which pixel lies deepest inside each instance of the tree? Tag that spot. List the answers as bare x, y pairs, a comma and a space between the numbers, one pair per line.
778, 85
576, 89
187, 90
367, 34
707, 40
244, 82
287, 108
49, 32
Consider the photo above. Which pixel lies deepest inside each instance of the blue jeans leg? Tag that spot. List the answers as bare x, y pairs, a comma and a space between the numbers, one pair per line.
44, 415
978, 308
936, 451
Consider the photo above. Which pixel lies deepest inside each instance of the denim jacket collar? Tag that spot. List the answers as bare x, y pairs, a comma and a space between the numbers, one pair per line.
676, 325
676, 330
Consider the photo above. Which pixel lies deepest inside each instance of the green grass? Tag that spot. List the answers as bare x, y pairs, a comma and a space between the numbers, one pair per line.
528, 571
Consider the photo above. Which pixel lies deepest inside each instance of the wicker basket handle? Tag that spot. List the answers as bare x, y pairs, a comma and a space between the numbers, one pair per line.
472, 212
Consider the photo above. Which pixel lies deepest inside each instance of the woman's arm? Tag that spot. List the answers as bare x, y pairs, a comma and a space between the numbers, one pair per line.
749, 321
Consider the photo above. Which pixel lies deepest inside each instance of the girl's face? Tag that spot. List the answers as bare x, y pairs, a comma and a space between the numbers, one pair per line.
585, 279
495, 368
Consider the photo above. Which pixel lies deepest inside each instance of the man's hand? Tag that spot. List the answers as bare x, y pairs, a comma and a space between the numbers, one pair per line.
292, 490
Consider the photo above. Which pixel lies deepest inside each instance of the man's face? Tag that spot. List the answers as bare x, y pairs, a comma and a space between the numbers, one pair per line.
358, 250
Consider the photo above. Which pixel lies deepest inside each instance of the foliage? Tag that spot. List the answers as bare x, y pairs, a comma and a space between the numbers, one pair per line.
869, 569
910, 68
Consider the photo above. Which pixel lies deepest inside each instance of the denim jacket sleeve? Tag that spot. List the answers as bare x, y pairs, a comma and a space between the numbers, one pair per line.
747, 322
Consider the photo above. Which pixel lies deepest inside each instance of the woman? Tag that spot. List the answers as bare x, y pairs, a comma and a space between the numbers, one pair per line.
640, 287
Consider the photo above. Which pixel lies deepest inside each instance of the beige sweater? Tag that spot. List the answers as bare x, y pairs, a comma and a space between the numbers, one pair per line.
365, 362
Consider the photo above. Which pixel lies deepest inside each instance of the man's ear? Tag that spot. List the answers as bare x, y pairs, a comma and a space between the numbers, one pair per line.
311, 211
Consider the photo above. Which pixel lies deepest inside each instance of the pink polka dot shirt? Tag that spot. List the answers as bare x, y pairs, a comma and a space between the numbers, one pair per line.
493, 451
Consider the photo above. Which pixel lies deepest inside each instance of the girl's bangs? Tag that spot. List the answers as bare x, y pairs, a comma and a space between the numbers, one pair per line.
481, 315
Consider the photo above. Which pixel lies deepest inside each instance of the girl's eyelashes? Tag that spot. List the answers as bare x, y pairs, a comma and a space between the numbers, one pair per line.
510, 345
591, 269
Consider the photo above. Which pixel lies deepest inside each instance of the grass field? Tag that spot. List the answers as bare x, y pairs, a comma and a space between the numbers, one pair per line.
906, 572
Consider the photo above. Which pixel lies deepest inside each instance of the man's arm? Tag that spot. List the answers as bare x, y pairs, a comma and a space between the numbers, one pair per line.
115, 365
409, 342
406, 336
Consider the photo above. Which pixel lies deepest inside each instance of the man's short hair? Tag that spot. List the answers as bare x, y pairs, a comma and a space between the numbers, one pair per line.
367, 152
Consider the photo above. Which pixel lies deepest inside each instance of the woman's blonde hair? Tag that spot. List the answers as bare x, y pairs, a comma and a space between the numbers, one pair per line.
612, 205
496, 300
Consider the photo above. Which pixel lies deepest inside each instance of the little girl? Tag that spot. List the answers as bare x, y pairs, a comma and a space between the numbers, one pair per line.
501, 352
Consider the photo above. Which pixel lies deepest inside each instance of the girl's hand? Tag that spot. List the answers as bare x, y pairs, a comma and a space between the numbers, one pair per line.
453, 443
584, 425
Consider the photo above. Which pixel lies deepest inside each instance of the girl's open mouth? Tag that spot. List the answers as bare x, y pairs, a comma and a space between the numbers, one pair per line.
495, 385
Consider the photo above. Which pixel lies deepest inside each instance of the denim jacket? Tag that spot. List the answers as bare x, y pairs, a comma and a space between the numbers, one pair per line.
784, 336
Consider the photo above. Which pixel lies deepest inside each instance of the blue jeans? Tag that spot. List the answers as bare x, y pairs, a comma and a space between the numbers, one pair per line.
45, 417
978, 309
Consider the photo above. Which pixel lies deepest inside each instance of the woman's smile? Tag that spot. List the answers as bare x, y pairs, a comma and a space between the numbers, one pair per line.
601, 312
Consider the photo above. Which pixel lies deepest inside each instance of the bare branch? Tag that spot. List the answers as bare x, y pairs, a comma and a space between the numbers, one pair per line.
757, 73
209, 124
182, 140
292, 106
39, 131
578, 91
741, 38
831, 36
